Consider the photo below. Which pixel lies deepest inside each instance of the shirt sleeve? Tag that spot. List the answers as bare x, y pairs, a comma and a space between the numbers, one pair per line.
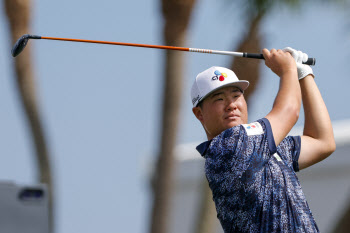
239, 148
289, 150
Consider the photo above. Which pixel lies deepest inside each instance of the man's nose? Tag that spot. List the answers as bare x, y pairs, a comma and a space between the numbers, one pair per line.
231, 105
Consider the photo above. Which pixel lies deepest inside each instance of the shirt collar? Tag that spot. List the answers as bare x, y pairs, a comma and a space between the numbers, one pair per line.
203, 147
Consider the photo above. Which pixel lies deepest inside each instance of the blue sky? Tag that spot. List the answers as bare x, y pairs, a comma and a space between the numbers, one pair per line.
100, 104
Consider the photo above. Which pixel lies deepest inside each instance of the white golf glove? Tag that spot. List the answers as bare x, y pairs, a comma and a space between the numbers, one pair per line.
300, 57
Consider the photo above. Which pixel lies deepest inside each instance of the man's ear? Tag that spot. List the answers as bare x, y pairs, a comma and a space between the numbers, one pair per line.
197, 111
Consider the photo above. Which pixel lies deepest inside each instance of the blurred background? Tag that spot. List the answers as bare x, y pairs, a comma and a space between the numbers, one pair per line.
99, 123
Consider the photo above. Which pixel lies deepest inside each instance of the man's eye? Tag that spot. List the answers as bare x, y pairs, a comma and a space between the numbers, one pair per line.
219, 99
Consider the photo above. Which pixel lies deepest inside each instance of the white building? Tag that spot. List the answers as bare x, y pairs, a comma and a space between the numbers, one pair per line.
326, 184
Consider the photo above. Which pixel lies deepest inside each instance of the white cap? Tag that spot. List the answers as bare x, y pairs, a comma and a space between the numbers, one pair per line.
212, 79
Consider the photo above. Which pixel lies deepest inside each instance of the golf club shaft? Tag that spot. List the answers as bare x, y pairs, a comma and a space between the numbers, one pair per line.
20, 44
238, 54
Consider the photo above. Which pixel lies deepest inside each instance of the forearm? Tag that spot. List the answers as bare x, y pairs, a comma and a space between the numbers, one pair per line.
286, 107
317, 142
288, 96
317, 121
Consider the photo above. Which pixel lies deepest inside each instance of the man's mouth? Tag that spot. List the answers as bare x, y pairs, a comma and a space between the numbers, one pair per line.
231, 117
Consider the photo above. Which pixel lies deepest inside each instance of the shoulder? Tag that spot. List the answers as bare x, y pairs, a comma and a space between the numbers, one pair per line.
255, 128
239, 137
242, 136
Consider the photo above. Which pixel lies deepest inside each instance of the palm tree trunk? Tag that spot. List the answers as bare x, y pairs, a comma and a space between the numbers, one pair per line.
207, 213
249, 69
177, 15
18, 14
343, 224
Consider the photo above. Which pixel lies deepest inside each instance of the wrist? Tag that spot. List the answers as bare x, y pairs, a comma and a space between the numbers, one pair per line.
304, 71
307, 77
289, 73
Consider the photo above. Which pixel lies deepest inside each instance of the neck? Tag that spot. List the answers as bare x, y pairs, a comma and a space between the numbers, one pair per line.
209, 135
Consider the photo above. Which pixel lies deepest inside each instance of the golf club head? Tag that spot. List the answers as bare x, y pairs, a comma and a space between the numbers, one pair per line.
21, 44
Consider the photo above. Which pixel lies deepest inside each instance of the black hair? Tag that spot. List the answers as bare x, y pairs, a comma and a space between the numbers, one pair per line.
200, 104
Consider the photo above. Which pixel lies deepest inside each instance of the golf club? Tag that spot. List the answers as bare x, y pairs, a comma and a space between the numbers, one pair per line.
22, 42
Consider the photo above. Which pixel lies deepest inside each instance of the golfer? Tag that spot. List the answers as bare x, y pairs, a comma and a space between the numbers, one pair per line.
251, 168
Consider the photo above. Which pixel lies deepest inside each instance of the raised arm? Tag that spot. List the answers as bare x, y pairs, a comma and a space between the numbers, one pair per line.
317, 142
286, 108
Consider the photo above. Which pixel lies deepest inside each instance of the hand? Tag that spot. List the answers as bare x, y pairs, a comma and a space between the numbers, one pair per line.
300, 57
279, 62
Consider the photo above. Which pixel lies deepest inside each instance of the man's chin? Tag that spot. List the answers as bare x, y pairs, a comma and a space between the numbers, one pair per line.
228, 125
234, 123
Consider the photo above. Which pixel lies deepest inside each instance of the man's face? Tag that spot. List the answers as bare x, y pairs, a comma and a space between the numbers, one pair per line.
222, 110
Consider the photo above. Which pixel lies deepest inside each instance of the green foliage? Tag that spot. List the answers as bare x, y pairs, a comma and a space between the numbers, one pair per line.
256, 7
259, 6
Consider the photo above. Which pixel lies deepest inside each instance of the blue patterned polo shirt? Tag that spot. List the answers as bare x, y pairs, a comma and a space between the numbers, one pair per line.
253, 182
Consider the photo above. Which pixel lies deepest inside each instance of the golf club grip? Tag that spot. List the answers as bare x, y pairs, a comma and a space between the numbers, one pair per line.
311, 61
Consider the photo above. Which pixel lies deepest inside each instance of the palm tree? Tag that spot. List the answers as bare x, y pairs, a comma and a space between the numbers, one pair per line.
19, 15
177, 16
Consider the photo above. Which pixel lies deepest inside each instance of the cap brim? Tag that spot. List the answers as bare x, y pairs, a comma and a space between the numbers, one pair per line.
241, 84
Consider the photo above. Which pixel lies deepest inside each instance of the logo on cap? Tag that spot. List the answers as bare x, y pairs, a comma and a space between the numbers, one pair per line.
194, 100
219, 76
